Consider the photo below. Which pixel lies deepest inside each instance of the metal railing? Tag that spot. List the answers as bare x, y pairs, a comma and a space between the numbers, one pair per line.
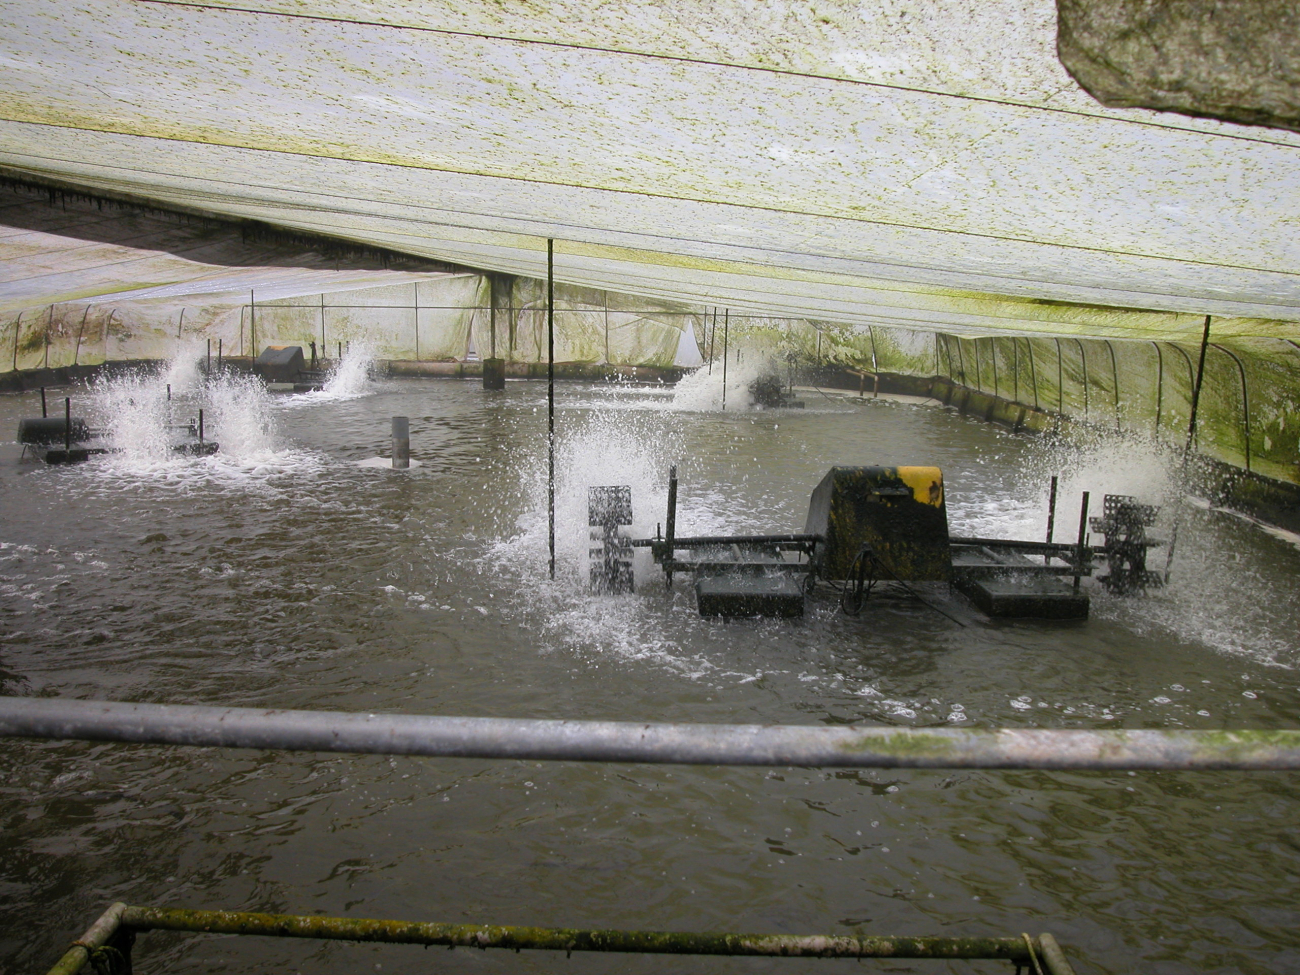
108, 942
627, 741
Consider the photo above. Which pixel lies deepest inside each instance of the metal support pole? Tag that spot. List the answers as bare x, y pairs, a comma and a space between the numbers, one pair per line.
1160, 386
207, 362
1060, 380
49, 324
415, 294
401, 443
550, 399
180, 325
219, 342
1196, 392
670, 522
713, 339
993, 354
1083, 359
18, 327
44, 410
1083, 539
67, 429
979, 379
252, 323
323, 351
1051, 516
726, 331
200, 428
1114, 367
76, 354
830, 746
875, 364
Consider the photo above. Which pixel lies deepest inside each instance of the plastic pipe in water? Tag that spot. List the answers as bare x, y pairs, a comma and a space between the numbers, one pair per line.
401, 442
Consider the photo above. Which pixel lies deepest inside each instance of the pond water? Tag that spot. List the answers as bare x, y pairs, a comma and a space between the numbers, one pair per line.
282, 573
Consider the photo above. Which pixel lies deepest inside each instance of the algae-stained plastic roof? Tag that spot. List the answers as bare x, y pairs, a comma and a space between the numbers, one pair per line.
910, 163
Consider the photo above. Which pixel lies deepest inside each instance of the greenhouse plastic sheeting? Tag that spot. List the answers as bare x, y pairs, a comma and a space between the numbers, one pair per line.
889, 185
913, 163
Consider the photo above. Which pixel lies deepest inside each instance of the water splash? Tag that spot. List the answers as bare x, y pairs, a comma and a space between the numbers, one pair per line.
140, 423
1214, 597
701, 391
350, 377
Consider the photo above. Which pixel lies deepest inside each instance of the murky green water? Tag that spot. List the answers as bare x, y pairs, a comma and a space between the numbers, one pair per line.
284, 575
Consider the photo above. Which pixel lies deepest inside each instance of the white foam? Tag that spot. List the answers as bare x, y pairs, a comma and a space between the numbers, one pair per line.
140, 425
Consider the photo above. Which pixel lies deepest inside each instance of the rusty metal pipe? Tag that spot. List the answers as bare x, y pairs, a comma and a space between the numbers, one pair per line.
627, 741
96, 936
572, 939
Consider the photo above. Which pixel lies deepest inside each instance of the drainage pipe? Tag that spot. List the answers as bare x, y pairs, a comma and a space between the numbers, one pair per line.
641, 742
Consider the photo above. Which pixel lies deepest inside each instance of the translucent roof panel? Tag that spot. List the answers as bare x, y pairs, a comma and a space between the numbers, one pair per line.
922, 164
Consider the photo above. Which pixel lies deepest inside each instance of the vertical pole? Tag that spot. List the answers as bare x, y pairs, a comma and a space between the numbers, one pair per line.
76, 354
550, 397
219, 343
169, 392
979, 380
252, 323
670, 524
961, 361
1060, 380
323, 353
1083, 359
207, 362
67, 429
1083, 538
49, 324
1160, 385
1196, 391
1114, 368
415, 287
605, 295
200, 428
401, 442
875, 365
44, 410
1051, 517
18, 327
713, 339
726, 323
993, 355
241, 329
180, 324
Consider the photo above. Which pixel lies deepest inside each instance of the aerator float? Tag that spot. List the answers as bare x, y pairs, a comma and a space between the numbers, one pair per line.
70, 439
873, 525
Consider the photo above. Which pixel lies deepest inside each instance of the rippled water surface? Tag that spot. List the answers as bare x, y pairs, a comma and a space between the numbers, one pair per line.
282, 573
